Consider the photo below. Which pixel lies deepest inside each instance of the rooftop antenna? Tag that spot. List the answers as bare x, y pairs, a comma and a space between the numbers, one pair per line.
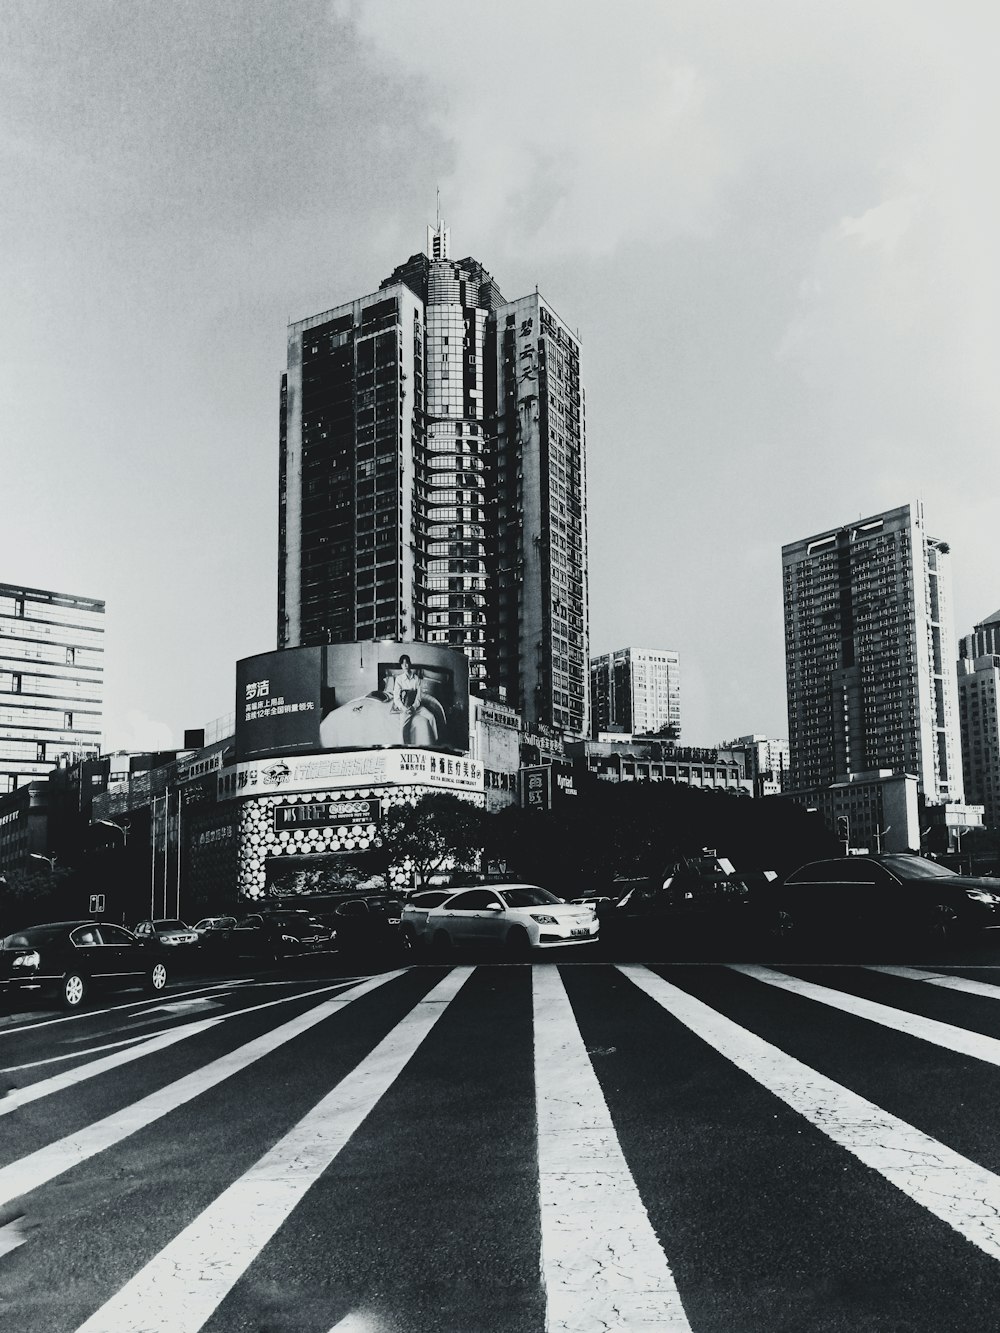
438, 236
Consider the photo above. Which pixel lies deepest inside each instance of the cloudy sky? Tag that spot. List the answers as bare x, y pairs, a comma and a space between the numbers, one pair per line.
774, 224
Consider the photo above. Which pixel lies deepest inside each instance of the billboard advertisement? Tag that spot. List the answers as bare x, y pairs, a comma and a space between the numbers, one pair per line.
352, 696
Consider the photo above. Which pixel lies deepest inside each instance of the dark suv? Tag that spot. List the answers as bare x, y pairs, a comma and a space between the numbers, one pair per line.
893, 894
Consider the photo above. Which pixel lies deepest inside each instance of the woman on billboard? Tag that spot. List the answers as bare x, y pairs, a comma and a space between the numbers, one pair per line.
423, 716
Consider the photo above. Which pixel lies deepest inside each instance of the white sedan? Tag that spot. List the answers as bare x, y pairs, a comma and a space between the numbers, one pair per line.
517, 917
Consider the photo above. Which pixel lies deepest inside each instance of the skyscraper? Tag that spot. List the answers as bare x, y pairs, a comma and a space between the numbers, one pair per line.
636, 691
869, 665
978, 698
432, 481
51, 680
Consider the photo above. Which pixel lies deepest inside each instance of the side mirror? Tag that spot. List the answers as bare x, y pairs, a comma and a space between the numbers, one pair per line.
494, 907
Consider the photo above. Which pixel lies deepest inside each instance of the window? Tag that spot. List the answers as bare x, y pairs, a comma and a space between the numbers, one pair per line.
471, 901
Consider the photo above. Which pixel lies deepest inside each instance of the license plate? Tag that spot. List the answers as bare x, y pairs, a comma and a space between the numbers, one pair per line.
581, 931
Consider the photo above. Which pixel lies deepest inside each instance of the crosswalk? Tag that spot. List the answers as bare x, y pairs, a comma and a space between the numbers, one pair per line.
723, 1149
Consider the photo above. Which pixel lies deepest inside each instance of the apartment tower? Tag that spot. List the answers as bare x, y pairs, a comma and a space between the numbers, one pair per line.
636, 691
870, 671
51, 681
432, 481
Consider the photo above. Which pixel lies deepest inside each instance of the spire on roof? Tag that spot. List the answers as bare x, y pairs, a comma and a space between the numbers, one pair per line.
438, 236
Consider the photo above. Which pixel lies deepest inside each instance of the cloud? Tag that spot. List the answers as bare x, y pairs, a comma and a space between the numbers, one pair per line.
569, 130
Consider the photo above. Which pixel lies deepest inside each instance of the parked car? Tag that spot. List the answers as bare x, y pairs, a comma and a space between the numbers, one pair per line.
168, 931
370, 925
69, 959
208, 923
703, 889
268, 936
516, 917
413, 916
897, 893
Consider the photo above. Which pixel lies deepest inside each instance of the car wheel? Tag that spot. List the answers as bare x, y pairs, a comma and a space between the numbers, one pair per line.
158, 977
942, 923
517, 942
73, 990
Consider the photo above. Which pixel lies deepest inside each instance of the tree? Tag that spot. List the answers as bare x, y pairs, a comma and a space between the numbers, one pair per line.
28, 897
436, 830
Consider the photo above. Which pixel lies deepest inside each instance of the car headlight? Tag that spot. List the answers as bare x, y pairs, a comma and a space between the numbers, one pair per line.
289, 939
543, 919
982, 896
32, 959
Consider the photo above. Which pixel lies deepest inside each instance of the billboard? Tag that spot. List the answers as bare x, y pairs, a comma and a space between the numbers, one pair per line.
352, 696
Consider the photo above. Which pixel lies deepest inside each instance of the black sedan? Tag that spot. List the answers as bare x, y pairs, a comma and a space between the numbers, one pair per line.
898, 894
69, 959
268, 936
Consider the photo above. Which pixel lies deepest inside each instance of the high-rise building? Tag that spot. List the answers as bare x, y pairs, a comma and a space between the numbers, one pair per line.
636, 691
432, 481
984, 639
870, 671
978, 696
51, 681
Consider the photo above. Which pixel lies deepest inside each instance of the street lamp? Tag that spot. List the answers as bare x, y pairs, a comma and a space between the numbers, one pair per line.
49, 860
120, 828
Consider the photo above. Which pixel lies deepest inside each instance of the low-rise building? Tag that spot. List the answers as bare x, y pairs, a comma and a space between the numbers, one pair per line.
879, 811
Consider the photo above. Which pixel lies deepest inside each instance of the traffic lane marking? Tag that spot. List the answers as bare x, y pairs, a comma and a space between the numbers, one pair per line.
112, 1009
28, 1173
602, 1264
182, 1286
154, 1042
954, 1189
15, 1098
74, 1055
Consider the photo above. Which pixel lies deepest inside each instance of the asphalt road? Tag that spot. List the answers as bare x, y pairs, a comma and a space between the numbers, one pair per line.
575, 1144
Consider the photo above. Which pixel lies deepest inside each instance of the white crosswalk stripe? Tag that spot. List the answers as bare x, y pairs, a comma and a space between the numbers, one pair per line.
964, 984
178, 1290
602, 1265
46, 1163
947, 1035
954, 1189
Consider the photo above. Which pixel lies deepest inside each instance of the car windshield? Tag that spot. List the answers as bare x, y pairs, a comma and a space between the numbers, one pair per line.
915, 867
169, 925
526, 895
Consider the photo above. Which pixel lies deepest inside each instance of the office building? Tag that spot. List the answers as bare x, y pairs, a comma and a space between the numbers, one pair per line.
870, 671
432, 483
636, 691
978, 693
51, 681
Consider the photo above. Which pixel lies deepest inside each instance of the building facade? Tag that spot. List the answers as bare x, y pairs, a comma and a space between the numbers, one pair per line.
51, 681
978, 693
432, 481
870, 671
765, 762
984, 639
636, 691
879, 812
